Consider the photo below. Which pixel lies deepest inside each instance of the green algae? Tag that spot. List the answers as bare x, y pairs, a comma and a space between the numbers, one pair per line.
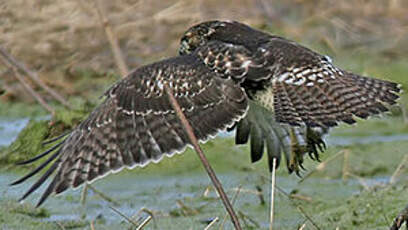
27, 144
30, 140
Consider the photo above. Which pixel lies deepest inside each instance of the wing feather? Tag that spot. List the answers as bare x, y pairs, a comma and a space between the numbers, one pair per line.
136, 123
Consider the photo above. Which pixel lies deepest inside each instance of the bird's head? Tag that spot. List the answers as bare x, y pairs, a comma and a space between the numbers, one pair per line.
226, 31
198, 35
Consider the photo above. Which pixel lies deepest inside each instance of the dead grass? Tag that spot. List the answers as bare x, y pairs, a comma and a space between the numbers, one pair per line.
59, 36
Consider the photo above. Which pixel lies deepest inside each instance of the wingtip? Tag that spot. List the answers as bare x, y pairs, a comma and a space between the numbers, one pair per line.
52, 140
19, 181
20, 200
14, 183
40, 202
399, 88
39, 156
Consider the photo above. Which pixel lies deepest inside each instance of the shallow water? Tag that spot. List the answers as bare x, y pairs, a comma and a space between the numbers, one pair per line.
160, 193
345, 141
9, 129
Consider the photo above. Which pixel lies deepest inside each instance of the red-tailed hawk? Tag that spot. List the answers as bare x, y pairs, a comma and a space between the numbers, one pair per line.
274, 91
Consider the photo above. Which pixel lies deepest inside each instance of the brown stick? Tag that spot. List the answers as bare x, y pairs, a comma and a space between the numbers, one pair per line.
124, 71
203, 159
117, 54
233, 202
30, 90
33, 75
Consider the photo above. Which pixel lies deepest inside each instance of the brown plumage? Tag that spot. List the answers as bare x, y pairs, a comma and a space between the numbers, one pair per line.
277, 94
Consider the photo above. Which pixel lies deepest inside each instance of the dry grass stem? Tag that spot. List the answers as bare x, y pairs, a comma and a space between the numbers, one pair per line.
321, 166
207, 166
246, 217
60, 225
248, 191
211, 223
361, 180
27, 86
119, 60
7, 58
148, 212
302, 227
84, 194
92, 225
145, 210
273, 181
234, 199
301, 197
300, 209
144, 223
346, 158
207, 191
128, 219
102, 195
187, 211
399, 169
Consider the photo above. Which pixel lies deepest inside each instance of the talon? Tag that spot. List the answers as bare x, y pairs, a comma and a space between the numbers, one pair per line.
290, 169
324, 144
298, 173
311, 154
320, 147
318, 158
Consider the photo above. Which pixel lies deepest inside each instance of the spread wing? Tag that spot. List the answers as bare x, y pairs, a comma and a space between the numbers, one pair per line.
292, 85
308, 89
300, 86
136, 123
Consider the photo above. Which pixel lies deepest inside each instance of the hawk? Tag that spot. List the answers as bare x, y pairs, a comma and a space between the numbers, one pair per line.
277, 94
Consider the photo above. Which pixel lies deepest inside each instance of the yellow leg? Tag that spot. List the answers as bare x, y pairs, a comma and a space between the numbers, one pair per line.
297, 151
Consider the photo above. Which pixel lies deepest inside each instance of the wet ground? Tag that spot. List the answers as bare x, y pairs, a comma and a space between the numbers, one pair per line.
350, 194
9, 129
